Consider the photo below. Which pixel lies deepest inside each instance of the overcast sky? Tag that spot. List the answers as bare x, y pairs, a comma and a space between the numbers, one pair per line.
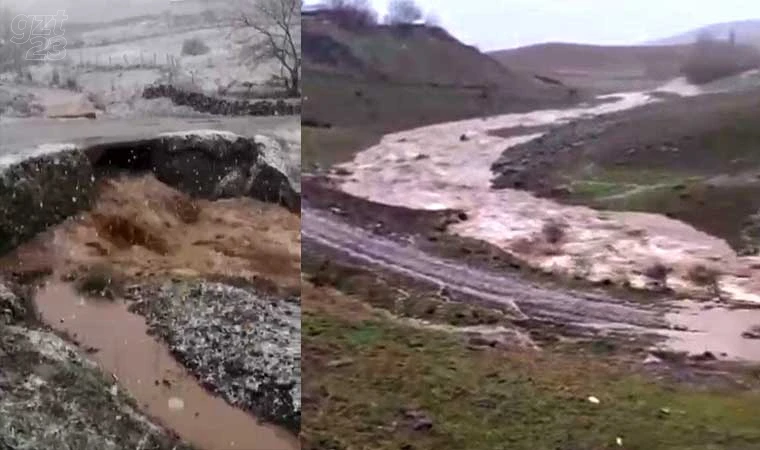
497, 24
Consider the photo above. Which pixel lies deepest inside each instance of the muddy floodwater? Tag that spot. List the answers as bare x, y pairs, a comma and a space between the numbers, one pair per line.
118, 341
717, 329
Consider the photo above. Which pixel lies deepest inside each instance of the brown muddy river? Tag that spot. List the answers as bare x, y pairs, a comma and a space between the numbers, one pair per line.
144, 367
716, 329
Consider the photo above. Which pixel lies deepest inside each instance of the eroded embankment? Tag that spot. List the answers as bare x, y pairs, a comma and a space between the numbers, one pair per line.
176, 259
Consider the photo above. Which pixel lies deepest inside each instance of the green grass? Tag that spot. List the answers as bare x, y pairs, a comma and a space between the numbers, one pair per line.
598, 189
490, 399
634, 175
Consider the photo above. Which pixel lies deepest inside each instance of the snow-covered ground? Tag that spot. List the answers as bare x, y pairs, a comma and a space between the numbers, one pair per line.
432, 168
111, 64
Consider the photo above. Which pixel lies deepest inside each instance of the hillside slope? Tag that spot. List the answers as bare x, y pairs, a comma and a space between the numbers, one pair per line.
406, 54
599, 68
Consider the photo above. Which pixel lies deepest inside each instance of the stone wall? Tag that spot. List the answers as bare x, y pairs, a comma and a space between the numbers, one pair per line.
219, 106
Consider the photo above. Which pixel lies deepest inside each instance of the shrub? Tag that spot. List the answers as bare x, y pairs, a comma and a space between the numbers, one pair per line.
100, 281
72, 84
352, 14
658, 272
703, 275
194, 47
553, 231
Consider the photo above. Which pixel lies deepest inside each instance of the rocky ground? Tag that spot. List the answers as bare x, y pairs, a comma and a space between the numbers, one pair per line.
241, 344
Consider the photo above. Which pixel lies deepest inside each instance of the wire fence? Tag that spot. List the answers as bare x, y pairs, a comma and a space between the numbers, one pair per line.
155, 60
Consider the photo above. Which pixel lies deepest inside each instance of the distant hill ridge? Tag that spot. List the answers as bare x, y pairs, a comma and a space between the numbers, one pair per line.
406, 54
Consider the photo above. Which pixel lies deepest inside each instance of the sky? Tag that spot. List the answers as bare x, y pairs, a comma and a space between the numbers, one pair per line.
499, 24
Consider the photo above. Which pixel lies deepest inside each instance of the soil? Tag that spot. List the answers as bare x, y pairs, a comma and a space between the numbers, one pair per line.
144, 229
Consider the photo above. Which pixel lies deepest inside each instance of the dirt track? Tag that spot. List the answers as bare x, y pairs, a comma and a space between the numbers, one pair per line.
525, 300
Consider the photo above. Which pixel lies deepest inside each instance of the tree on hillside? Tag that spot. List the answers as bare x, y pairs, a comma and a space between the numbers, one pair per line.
279, 24
403, 11
353, 13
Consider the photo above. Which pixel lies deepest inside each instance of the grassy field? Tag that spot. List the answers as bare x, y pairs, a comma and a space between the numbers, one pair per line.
372, 382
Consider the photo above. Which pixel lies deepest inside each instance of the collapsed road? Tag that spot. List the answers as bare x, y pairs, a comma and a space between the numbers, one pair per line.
156, 312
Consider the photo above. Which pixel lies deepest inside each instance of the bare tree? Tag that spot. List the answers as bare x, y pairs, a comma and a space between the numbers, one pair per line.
279, 23
403, 11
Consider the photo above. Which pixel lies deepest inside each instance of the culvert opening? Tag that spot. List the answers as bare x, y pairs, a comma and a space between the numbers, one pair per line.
108, 159
202, 167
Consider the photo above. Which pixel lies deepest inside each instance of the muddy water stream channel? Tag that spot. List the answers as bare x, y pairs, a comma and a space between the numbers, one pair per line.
118, 341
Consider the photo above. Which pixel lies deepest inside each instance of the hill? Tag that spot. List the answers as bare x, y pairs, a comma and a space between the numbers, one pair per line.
746, 32
596, 68
365, 81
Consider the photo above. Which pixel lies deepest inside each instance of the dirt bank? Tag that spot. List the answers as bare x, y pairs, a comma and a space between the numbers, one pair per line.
147, 229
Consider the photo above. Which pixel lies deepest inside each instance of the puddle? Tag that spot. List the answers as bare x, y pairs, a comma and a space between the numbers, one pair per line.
145, 368
715, 329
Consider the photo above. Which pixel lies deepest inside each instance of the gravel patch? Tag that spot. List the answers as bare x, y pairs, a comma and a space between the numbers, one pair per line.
240, 344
